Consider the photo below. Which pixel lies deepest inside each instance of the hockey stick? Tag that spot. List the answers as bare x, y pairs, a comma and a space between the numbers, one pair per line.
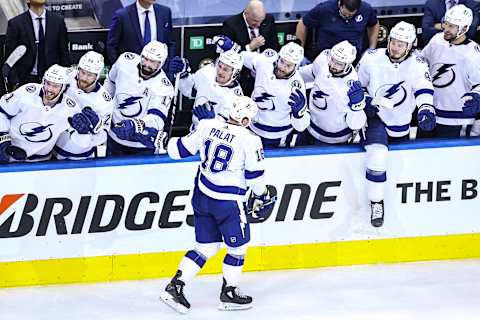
12, 59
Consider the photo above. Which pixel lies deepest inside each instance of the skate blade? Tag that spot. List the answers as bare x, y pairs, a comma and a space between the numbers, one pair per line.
169, 301
225, 306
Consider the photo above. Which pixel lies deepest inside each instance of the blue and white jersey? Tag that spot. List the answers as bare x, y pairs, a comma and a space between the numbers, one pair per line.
275, 119
408, 84
135, 97
332, 121
82, 146
33, 126
231, 158
455, 70
202, 86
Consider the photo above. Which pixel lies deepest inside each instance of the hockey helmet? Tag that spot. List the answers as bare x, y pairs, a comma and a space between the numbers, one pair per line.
461, 16
155, 51
92, 62
343, 52
243, 108
292, 52
57, 74
405, 32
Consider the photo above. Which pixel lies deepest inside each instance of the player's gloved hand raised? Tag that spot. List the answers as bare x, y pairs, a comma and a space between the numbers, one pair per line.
204, 111
224, 43
259, 207
127, 129
426, 117
80, 123
356, 96
297, 103
179, 65
94, 119
471, 105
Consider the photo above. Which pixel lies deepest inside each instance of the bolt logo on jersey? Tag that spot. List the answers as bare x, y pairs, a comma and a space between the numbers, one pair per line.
444, 75
264, 100
130, 107
36, 132
320, 99
395, 92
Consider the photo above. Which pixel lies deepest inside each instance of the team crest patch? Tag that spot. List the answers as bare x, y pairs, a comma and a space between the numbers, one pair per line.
106, 96
371, 50
129, 56
8, 96
477, 48
238, 92
296, 84
421, 59
70, 102
359, 18
269, 53
166, 82
30, 88
428, 76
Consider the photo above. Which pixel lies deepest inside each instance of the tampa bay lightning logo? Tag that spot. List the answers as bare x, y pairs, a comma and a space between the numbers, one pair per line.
264, 100
129, 106
443, 74
36, 132
395, 92
319, 98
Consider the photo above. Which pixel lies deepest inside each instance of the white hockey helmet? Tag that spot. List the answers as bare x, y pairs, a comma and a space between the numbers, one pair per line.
292, 52
405, 32
461, 16
57, 74
344, 52
234, 60
156, 51
92, 62
243, 108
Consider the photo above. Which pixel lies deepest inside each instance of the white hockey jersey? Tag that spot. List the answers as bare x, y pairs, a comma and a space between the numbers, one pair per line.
332, 121
135, 97
408, 84
32, 126
202, 86
231, 158
455, 70
83, 145
275, 119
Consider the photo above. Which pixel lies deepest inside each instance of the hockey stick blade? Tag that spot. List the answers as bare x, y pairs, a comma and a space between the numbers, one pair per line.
16, 55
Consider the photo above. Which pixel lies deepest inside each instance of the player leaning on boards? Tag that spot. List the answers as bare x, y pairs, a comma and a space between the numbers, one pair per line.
96, 105
454, 62
231, 161
279, 92
33, 117
214, 86
337, 99
142, 94
399, 79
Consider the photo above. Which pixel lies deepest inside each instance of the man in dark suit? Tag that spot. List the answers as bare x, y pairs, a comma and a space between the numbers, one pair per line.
136, 25
434, 12
44, 34
253, 30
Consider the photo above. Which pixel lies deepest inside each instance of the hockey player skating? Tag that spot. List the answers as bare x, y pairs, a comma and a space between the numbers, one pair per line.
96, 105
231, 161
214, 86
337, 98
33, 117
279, 92
454, 62
142, 95
399, 78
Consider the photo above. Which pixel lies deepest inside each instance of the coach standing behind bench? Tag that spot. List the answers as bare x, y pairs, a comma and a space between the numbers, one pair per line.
45, 36
136, 25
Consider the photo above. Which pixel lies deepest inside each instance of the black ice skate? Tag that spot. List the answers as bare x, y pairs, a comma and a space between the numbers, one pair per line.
232, 299
377, 213
173, 295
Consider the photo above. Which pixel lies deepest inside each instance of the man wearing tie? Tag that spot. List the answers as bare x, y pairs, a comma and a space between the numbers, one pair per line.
136, 25
253, 30
434, 12
44, 34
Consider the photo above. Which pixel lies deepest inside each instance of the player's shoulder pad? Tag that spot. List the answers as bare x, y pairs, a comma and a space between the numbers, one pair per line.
31, 88
297, 83
476, 48
128, 55
237, 90
371, 51
418, 56
106, 96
